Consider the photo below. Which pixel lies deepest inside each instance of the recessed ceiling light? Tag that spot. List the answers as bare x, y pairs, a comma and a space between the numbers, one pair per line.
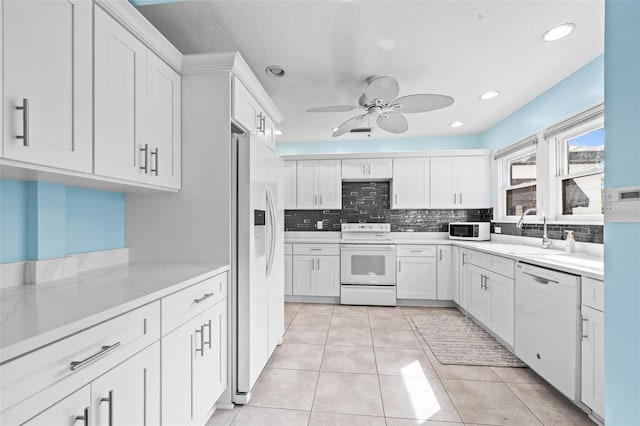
456, 124
275, 71
556, 33
489, 95
277, 132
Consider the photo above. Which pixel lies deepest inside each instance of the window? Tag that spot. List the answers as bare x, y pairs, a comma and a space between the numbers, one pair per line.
519, 179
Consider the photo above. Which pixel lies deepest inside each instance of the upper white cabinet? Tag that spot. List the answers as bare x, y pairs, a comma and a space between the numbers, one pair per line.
290, 184
367, 169
247, 112
47, 83
137, 109
460, 182
410, 185
319, 185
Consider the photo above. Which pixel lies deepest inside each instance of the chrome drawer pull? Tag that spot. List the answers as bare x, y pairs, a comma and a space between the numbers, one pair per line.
146, 158
206, 296
84, 417
155, 153
201, 350
76, 365
25, 122
208, 325
585, 334
316, 249
109, 399
416, 251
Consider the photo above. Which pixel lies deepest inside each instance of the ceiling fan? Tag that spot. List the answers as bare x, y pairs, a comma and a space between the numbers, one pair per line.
380, 101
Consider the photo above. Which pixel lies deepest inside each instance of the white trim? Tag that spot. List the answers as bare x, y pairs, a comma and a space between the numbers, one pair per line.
11, 274
134, 22
578, 120
411, 154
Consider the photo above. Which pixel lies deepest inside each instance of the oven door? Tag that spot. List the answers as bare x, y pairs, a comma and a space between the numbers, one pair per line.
368, 264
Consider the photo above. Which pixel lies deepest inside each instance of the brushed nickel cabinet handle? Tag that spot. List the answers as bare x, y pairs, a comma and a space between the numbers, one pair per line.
584, 330
318, 260
208, 325
464, 260
76, 365
368, 168
155, 153
206, 296
25, 121
320, 199
486, 280
201, 350
109, 399
399, 265
441, 254
84, 417
460, 198
315, 200
395, 199
454, 198
146, 158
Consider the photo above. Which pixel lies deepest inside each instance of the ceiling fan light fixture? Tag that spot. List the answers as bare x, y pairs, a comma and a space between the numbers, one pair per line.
275, 71
456, 124
334, 129
489, 95
558, 32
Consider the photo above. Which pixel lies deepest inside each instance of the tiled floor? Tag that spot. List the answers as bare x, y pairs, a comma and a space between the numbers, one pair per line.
354, 365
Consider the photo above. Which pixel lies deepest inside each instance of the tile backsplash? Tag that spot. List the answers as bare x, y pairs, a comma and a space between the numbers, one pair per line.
369, 202
583, 233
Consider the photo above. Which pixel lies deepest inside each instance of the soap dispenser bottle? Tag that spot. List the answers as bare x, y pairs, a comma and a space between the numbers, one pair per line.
570, 242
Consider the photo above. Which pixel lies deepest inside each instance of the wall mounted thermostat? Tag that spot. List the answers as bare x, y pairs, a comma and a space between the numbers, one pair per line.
622, 204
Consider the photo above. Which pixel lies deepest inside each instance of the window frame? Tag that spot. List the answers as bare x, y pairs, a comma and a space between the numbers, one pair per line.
504, 178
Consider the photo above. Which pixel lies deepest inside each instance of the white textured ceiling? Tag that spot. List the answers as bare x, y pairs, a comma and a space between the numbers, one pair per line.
329, 48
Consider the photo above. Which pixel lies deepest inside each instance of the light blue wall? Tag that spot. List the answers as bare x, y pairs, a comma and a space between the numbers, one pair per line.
41, 220
378, 145
622, 240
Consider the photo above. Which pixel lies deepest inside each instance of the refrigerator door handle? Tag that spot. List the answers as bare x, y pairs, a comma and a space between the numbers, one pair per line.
272, 231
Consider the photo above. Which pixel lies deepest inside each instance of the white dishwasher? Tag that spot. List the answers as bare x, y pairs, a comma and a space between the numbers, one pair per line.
547, 308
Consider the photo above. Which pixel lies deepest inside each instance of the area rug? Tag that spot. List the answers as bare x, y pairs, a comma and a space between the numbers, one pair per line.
460, 341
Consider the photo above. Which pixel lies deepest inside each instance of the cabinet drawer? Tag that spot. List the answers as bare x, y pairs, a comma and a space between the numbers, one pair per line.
180, 307
90, 352
317, 249
416, 250
593, 293
288, 248
497, 264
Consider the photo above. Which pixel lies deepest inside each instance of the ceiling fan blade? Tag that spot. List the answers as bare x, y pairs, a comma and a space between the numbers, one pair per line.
335, 108
383, 88
393, 122
348, 125
421, 103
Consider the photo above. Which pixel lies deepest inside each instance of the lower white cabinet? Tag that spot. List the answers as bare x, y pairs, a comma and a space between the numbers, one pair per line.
74, 408
194, 367
460, 277
417, 278
288, 270
592, 345
445, 272
316, 275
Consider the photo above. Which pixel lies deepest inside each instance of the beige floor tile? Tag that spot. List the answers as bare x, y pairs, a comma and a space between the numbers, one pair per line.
357, 320
258, 416
348, 394
385, 312
297, 356
392, 322
416, 398
391, 421
349, 309
292, 306
462, 372
403, 362
312, 318
223, 417
315, 308
549, 405
349, 359
394, 339
488, 403
424, 311
517, 375
333, 419
279, 388
312, 335
349, 337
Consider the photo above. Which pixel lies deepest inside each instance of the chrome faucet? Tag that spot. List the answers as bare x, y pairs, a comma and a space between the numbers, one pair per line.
546, 242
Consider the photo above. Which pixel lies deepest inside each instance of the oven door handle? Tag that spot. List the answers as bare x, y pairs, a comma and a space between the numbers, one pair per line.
367, 247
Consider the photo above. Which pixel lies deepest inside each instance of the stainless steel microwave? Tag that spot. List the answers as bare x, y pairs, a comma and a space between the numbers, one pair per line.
475, 231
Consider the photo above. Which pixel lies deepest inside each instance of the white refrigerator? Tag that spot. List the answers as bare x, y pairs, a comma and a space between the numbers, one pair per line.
257, 260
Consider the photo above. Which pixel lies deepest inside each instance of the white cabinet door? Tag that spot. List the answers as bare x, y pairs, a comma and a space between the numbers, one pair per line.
70, 411
304, 279
211, 371
244, 107
472, 186
121, 145
479, 299
328, 276
130, 393
456, 270
288, 275
593, 359
417, 278
380, 168
47, 60
290, 185
410, 185
445, 279
443, 188
354, 169
163, 123
464, 279
306, 185
501, 289
329, 184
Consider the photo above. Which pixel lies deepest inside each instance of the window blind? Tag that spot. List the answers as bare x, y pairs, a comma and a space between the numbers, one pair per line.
524, 143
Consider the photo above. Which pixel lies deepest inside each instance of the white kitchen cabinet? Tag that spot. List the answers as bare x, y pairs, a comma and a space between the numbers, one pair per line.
247, 112
130, 393
592, 345
48, 63
136, 109
288, 270
417, 277
319, 184
211, 367
479, 299
290, 184
364, 169
445, 272
460, 182
328, 276
410, 184
316, 275
73, 409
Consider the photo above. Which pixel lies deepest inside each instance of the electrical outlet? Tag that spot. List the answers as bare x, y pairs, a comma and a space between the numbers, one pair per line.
497, 230
319, 224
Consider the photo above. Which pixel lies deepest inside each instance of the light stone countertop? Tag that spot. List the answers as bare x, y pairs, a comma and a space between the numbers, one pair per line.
36, 315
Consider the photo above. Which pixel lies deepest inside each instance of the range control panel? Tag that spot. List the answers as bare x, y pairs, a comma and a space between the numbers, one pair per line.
622, 204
